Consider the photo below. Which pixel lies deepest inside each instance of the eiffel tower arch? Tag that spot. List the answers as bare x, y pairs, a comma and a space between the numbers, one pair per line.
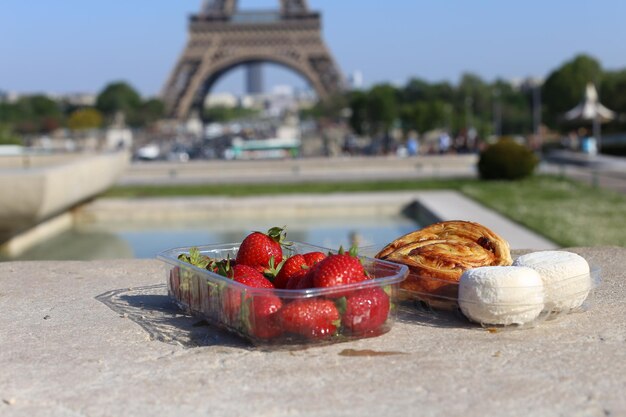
221, 38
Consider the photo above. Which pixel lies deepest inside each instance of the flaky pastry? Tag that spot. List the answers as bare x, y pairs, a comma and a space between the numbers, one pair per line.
437, 255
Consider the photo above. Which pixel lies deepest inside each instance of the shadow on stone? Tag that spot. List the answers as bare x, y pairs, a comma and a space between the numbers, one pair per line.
416, 311
152, 309
421, 214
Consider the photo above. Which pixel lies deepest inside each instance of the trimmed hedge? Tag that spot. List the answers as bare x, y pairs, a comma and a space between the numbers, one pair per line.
506, 160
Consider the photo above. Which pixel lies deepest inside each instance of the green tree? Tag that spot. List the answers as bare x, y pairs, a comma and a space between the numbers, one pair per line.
35, 114
119, 97
612, 95
417, 90
7, 137
41, 106
330, 108
423, 116
473, 100
227, 114
358, 115
511, 109
443, 91
565, 86
151, 111
85, 119
382, 108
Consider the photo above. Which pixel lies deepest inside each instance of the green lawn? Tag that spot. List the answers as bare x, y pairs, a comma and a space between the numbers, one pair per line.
239, 190
565, 211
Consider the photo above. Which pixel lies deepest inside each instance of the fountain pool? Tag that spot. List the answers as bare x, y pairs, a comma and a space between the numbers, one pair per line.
123, 240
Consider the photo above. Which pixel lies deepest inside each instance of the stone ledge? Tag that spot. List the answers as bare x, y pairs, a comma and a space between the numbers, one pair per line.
63, 353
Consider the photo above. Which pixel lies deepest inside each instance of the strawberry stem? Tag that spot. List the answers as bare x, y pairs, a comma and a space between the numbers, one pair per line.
277, 234
273, 269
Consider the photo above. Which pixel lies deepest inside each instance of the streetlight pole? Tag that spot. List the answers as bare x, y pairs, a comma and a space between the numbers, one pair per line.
537, 111
468, 112
497, 113
596, 131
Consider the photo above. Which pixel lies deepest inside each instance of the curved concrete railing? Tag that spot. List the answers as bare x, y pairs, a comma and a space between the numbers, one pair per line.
33, 194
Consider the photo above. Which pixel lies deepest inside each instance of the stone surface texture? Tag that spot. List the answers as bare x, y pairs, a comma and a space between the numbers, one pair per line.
63, 352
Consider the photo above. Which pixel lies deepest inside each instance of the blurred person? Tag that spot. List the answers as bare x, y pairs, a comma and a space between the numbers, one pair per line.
573, 141
412, 144
387, 143
444, 143
588, 143
350, 144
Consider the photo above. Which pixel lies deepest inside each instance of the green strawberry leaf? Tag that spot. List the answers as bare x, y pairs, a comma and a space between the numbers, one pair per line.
244, 313
277, 234
388, 290
196, 258
272, 270
341, 305
337, 324
224, 267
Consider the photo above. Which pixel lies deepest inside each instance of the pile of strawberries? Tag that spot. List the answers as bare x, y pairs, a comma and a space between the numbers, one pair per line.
266, 315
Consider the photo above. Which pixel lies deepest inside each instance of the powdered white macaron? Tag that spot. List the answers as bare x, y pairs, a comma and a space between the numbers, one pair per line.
565, 276
501, 295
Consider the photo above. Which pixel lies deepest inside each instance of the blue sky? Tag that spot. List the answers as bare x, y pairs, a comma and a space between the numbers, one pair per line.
81, 45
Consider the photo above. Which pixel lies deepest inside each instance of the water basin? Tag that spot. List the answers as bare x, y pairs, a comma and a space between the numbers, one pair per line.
119, 240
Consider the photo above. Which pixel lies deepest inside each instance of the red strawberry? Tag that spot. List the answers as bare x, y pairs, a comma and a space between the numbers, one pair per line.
366, 310
301, 281
314, 318
245, 275
313, 258
258, 249
338, 269
249, 276
263, 317
292, 266
174, 283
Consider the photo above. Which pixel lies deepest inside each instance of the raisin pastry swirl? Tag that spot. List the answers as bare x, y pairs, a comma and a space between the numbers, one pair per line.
437, 255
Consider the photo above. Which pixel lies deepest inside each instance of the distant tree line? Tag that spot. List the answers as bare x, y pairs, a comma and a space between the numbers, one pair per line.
490, 108
226, 114
39, 114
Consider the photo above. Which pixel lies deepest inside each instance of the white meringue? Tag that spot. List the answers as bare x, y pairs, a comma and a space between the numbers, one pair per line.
565, 276
501, 295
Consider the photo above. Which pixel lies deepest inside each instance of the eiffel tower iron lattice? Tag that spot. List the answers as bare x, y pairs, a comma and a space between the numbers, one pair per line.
221, 37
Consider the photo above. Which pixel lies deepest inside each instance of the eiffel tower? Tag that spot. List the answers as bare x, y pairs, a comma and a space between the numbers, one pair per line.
222, 37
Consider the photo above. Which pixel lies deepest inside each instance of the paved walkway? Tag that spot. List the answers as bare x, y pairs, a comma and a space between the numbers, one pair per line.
601, 170
450, 205
300, 170
597, 170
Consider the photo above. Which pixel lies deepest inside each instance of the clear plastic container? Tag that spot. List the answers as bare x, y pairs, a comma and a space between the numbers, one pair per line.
243, 310
423, 298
